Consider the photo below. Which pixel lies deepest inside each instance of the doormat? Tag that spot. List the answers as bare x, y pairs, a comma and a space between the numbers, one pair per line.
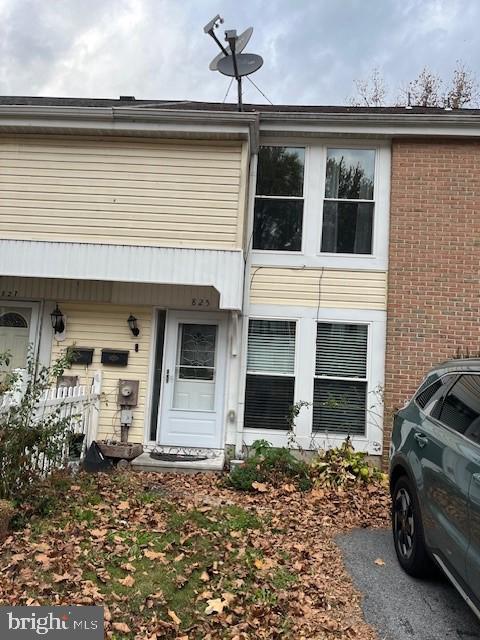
176, 457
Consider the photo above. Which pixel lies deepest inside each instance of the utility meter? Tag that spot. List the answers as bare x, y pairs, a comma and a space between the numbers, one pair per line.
127, 393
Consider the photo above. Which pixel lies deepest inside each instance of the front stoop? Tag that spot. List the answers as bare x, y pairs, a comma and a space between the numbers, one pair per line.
212, 460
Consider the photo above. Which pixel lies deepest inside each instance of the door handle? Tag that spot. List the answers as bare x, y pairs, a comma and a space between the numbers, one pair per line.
421, 440
167, 375
476, 478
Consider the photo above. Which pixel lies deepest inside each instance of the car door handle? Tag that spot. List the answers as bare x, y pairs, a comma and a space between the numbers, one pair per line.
476, 478
421, 440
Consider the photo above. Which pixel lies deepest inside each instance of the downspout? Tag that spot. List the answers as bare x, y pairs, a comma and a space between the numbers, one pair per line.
246, 305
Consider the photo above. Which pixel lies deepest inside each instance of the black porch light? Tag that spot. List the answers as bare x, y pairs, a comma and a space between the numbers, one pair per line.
58, 320
132, 323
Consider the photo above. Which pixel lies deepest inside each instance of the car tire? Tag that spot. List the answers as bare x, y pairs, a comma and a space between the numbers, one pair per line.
408, 534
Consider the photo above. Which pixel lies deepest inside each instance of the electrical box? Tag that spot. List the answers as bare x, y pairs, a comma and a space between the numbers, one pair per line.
126, 417
127, 393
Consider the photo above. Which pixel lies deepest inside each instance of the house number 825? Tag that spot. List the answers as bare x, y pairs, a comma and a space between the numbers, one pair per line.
200, 302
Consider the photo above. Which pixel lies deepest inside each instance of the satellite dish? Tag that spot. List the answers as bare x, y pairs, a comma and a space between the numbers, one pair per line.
240, 45
247, 63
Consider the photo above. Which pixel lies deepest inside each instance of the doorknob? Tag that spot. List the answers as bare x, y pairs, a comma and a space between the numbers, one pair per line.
167, 375
420, 439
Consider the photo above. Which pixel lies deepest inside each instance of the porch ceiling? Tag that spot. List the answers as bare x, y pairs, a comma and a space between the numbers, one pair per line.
221, 269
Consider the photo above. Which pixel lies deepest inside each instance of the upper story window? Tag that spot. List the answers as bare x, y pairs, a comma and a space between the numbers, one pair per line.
349, 201
278, 218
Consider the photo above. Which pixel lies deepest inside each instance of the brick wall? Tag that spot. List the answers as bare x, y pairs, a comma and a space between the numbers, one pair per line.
434, 264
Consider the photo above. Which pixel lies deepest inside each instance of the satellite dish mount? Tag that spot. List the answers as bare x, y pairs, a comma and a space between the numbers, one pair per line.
231, 61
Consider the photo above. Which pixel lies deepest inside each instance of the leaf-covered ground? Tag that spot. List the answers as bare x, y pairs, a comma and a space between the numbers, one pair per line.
182, 556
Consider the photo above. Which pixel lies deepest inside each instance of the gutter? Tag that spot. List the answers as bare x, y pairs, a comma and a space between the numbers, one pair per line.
448, 124
129, 121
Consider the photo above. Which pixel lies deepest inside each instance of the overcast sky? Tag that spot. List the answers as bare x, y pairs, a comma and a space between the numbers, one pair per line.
313, 49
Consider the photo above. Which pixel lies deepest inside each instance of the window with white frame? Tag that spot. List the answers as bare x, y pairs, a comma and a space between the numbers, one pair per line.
348, 207
340, 385
270, 373
278, 215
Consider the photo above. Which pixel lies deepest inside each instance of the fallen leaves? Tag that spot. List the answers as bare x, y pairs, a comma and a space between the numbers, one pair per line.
379, 562
260, 487
153, 555
128, 581
174, 617
44, 560
248, 563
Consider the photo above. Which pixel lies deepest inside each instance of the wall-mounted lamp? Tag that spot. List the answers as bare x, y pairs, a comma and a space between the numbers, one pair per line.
133, 324
58, 320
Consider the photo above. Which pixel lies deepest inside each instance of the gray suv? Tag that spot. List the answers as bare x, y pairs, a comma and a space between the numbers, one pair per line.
435, 478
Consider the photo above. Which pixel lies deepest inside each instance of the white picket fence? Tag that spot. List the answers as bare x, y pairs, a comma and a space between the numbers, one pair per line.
78, 406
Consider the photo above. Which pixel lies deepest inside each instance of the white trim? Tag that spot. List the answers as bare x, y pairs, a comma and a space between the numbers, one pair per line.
305, 356
296, 312
35, 324
132, 120
150, 376
384, 125
314, 191
222, 269
222, 360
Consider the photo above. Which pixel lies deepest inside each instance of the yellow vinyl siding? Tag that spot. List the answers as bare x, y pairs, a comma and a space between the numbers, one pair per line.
336, 288
105, 326
135, 191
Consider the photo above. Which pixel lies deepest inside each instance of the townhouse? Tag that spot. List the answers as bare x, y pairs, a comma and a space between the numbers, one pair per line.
232, 265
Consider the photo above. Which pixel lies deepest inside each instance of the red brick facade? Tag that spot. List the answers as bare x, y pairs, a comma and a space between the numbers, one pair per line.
434, 263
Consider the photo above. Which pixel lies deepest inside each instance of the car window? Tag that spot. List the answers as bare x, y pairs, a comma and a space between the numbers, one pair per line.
461, 408
432, 395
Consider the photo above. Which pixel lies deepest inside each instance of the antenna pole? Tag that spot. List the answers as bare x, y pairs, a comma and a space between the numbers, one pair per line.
232, 41
212, 34
239, 87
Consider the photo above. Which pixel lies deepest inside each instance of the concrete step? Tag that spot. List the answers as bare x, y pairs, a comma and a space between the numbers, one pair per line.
214, 462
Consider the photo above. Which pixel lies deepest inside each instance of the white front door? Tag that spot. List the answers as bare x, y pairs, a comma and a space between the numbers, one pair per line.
18, 323
193, 381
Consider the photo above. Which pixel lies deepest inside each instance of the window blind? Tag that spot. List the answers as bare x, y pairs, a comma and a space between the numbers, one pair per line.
267, 401
341, 350
339, 406
271, 346
270, 381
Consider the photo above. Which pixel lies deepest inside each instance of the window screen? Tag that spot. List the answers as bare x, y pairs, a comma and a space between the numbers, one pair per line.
278, 216
340, 385
348, 206
270, 373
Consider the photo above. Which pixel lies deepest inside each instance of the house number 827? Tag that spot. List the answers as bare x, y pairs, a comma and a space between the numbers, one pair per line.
200, 302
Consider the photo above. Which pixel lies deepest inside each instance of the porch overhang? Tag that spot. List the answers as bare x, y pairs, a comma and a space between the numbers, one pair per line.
218, 268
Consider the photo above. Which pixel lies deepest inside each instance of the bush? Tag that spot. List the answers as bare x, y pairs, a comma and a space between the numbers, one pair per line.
30, 441
270, 465
342, 466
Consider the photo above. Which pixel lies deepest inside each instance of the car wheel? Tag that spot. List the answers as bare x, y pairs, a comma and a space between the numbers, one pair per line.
408, 533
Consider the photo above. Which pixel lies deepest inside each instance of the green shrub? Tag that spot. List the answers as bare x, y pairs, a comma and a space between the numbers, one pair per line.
30, 440
342, 466
269, 465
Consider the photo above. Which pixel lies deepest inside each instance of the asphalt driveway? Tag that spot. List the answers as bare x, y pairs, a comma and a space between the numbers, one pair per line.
400, 607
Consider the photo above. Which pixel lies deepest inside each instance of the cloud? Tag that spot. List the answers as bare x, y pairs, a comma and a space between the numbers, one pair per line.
313, 49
